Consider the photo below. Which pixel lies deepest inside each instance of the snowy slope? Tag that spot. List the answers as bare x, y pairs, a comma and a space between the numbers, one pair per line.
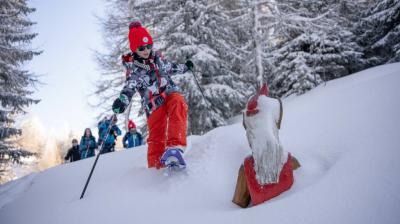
346, 135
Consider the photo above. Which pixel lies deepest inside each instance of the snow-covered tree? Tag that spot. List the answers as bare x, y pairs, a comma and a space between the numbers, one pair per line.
348, 14
309, 59
264, 27
15, 82
312, 46
254, 23
379, 32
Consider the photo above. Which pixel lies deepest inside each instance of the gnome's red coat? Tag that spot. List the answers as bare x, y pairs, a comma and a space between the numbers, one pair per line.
261, 193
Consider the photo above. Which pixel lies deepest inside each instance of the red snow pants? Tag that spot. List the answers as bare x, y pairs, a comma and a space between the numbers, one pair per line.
167, 128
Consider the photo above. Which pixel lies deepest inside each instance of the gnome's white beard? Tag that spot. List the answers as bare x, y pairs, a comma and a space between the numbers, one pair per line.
262, 134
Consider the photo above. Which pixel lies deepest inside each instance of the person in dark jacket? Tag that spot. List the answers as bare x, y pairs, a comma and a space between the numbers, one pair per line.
88, 144
133, 137
73, 153
113, 132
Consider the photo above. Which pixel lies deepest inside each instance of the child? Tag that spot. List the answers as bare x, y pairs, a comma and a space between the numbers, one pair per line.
133, 137
149, 74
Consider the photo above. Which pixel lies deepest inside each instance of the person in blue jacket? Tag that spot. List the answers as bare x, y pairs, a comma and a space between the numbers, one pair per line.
88, 144
133, 137
113, 132
100, 130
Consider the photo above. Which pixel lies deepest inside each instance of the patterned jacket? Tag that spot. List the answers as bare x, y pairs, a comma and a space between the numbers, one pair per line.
151, 78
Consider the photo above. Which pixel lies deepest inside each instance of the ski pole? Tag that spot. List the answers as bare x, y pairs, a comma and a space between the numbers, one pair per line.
87, 150
95, 161
209, 104
198, 85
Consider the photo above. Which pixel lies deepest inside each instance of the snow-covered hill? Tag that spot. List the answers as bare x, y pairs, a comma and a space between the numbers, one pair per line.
346, 135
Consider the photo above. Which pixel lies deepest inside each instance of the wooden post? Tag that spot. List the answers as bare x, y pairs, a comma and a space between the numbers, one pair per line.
242, 194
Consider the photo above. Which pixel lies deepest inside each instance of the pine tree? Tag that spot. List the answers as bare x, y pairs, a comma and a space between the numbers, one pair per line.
379, 32
314, 46
15, 82
348, 13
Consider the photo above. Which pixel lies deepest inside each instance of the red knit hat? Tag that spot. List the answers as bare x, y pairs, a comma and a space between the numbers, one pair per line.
131, 124
138, 36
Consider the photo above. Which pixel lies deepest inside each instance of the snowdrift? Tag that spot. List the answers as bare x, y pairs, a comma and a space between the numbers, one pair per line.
346, 135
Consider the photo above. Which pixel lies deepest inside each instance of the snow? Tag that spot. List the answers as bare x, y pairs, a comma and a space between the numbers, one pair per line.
345, 135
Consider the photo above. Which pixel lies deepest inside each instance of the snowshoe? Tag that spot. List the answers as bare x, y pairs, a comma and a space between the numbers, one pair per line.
173, 159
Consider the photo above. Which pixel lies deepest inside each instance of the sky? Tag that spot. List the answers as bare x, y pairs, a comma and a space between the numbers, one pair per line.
68, 34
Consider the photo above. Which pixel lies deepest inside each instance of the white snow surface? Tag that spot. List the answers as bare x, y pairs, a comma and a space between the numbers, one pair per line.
346, 135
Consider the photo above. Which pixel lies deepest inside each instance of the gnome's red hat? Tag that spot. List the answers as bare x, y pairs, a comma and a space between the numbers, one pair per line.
131, 124
252, 103
138, 36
